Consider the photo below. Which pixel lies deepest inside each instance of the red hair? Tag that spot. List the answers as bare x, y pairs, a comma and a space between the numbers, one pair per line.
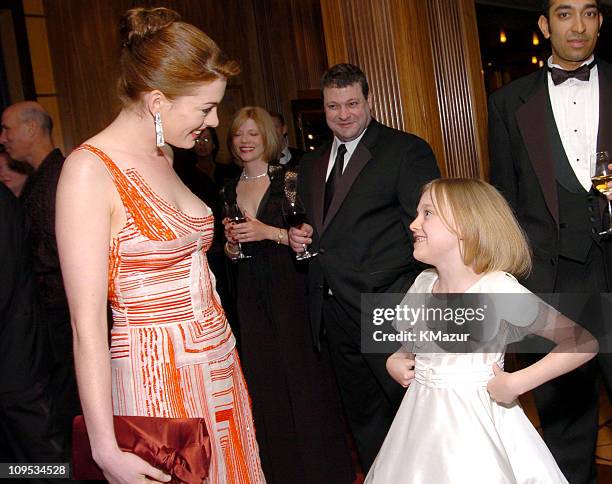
160, 52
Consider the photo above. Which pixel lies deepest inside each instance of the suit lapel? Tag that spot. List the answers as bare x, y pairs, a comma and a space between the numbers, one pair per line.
357, 162
532, 119
319, 171
360, 157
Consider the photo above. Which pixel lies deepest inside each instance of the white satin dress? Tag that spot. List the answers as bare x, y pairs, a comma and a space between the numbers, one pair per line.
448, 430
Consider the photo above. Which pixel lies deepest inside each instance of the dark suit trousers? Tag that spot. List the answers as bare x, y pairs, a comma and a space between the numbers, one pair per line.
568, 405
369, 395
28, 427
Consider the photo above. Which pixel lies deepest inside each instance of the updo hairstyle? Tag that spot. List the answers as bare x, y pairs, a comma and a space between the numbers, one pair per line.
160, 52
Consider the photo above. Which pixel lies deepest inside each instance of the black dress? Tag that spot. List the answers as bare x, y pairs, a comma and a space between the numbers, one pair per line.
297, 412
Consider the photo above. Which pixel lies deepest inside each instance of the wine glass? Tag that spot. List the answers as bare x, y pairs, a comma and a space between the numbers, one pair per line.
294, 211
233, 212
601, 175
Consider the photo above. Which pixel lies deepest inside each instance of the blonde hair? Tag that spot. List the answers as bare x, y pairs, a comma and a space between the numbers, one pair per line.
265, 124
159, 52
492, 239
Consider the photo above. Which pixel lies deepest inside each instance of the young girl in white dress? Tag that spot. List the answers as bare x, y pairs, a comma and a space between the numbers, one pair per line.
460, 421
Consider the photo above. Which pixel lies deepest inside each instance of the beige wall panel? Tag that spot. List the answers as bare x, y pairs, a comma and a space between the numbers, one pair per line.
336, 34
33, 7
458, 97
416, 73
476, 84
41, 57
360, 33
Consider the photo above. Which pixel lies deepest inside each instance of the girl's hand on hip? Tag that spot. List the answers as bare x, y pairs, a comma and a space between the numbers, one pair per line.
503, 386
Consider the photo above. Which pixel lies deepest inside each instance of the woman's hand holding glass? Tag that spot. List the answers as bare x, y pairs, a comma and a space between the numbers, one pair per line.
228, 231
231, 246
253, 230
233, 217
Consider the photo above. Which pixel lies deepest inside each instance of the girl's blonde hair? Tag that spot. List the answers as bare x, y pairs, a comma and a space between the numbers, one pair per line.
492, 239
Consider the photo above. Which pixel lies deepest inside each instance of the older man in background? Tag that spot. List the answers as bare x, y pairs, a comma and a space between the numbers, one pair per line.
26, 136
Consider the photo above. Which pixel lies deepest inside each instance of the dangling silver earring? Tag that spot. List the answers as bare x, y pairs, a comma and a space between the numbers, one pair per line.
159, 131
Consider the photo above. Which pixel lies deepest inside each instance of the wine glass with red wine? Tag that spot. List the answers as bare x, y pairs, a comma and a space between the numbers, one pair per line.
294, 211
233, 212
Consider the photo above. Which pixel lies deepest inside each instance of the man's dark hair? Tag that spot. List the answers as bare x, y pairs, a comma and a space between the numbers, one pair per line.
546, 7
344, 75
279, 116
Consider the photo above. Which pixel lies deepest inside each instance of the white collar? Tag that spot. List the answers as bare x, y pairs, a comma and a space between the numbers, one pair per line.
587, 61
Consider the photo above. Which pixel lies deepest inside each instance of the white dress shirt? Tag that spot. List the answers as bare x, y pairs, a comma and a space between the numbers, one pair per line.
575, 105
350, 149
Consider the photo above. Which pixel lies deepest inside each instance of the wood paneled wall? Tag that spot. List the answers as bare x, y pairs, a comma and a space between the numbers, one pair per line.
363, 35
416, 72
279, 44
422, 59
459, 86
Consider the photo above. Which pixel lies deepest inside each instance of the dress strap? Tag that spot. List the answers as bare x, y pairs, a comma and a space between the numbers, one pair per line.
146, 218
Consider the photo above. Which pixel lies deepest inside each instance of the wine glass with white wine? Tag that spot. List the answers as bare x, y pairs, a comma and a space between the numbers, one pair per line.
601, 175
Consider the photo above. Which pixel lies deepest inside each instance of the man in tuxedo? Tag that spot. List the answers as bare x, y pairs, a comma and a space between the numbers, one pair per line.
289, 156
360, 192
543, 129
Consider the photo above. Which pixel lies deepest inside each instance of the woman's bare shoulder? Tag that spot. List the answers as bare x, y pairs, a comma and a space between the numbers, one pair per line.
84, 173
82, 163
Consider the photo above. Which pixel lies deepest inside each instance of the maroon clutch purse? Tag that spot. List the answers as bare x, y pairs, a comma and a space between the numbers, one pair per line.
178, 446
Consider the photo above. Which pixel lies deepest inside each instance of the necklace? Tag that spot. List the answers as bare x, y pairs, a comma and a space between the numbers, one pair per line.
246, 177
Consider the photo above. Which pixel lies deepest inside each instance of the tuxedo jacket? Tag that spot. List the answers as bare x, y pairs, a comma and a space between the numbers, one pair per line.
523, 166
364, 243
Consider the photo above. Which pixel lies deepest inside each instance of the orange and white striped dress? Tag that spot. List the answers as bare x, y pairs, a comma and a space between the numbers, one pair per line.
172, 351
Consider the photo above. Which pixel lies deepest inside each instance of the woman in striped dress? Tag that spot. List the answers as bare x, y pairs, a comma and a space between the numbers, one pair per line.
129, 231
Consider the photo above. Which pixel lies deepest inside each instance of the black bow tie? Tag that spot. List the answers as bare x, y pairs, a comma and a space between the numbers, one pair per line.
559, 76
